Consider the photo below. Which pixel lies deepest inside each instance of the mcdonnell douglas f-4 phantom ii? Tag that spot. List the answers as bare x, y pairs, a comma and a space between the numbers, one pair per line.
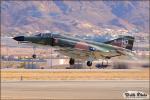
78, 48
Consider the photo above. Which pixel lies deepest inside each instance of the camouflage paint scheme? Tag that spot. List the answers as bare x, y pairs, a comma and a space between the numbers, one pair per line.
81, 48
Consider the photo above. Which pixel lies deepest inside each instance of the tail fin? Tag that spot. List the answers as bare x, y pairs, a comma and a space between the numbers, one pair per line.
125, 42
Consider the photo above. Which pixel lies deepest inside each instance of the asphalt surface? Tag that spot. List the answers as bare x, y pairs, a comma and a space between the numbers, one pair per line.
98, 89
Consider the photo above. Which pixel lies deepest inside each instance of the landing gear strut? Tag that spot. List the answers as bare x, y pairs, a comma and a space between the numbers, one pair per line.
71, 61
34, 55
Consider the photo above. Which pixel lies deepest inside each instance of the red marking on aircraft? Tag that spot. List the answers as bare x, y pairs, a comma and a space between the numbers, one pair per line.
82, 45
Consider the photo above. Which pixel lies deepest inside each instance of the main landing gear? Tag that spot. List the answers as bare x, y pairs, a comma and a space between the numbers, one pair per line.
71, 61
89, 63
103, 64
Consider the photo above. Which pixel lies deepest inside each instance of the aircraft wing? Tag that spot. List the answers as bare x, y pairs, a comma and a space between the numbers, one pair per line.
94, 52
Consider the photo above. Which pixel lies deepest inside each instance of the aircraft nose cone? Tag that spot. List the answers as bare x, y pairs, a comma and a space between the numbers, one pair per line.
19, 38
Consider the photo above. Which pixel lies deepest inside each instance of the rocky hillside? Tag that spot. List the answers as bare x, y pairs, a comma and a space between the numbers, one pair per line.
73, 16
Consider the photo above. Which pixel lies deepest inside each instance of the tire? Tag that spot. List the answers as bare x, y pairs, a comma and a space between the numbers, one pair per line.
34, 56
71, 62
89, 63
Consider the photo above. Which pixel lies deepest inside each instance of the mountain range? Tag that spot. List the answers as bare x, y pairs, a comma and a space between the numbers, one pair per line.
78, 16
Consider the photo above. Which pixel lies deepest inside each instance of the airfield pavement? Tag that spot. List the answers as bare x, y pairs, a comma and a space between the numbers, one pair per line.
98, 89
72, 84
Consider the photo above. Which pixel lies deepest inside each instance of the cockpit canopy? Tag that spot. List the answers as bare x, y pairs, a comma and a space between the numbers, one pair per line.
47, 34
40, 34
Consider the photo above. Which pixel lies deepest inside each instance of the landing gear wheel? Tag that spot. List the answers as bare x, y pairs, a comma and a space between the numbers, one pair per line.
89, 63
71, 61
34, 56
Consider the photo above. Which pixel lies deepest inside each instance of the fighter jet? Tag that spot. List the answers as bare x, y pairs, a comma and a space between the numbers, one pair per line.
79, 48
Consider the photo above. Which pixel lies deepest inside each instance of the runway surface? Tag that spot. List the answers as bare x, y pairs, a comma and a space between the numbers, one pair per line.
98, 89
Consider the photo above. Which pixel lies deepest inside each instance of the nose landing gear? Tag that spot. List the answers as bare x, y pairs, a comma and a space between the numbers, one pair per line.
34, 56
